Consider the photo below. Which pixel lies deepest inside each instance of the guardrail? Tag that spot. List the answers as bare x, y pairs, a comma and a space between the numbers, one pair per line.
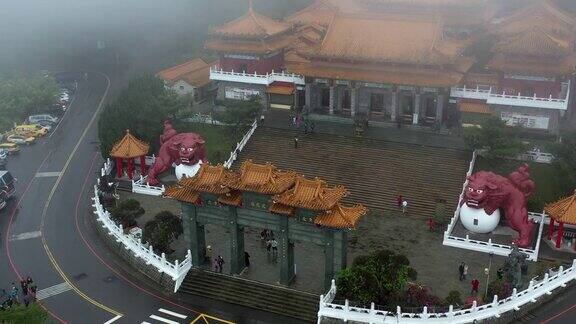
177, 270
255, 78
141, 186
240, 145
475, 313
511, 100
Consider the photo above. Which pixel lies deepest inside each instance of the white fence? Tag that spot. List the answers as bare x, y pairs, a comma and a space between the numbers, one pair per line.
177, 270
141, 186
254, 78
511, 100
495, 309
241, 144
537, 156
487, 246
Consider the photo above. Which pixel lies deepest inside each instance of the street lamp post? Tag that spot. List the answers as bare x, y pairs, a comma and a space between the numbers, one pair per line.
487, 272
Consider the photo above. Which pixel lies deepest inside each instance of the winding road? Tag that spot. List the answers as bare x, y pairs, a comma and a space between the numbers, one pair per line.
47, 234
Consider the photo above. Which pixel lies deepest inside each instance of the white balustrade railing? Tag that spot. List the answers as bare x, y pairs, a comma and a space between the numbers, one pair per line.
176, 270
107, 168
475, 313
255, 78
518, 100
141, 186
240, 145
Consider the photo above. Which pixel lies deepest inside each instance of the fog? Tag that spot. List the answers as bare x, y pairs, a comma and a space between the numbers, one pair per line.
113, 34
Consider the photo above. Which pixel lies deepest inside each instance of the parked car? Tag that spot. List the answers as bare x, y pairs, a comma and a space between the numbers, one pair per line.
34, 119
30, 130
12, 148
20, 139
7, 184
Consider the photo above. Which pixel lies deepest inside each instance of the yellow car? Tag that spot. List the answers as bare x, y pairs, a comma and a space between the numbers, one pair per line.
20, 139
31, 130
12, 148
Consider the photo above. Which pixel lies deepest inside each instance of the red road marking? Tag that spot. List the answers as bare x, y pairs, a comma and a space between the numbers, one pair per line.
102, 259
7, 236
559, 314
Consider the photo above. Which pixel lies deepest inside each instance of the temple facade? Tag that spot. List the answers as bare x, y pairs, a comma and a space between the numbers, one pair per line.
403, 62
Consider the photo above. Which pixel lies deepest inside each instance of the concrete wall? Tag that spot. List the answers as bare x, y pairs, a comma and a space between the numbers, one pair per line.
221, 94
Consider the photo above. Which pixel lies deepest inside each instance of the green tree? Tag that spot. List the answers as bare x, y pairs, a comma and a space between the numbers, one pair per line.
126, 212
162, 231
141, 107
565, 162
454, 298
380, 277
33, 314
240, 113
494, 138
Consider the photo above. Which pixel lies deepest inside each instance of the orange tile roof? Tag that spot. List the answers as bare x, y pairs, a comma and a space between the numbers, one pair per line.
262, 178
277, 208
533, 42
209, 179
387, 38
341, 216
563, 210
410, 76
311, 194
543, 67
252, 25
251, 47
179, 71
183, 194
129, 147
281, 89
233, 198
474, 107
320, 12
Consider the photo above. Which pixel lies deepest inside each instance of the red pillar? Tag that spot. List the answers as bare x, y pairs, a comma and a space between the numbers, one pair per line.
119, 167
551, 228
130, 168
143, 165
560, 234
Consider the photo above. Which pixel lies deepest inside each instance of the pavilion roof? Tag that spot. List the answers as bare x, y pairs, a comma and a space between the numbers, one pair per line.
281, 209
320, 12
209, 179
129, 147
341, 216
533, 42
533, 66
563, 210
252, 25
250, 46
182, 193
232, 198
311, 194
262, 178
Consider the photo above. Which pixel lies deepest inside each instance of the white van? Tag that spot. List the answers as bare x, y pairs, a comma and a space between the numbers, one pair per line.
44, 117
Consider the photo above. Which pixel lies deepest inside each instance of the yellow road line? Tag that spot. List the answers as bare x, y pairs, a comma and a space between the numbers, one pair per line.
47, 205
205, 318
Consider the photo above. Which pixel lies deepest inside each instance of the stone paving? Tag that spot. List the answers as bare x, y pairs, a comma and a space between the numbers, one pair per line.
437, 265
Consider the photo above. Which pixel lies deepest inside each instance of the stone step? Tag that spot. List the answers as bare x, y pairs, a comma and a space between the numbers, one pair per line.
252, 294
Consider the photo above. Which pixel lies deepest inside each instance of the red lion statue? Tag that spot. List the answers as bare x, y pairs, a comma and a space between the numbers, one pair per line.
185, 148
490, 191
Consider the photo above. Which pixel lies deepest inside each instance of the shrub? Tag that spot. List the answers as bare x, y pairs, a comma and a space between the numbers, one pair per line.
126, 212
162, 231
454, 298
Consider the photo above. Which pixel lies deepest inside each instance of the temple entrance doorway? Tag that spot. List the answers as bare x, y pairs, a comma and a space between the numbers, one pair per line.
377, 105
309, 266
346, 103
216, 245
407, 108
325, 97
264, 263
429, 110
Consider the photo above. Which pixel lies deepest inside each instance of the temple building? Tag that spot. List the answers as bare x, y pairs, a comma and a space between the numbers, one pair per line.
402, 61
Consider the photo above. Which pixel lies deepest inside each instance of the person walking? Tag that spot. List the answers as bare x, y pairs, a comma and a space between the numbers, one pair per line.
404, 206
475, 285
399, 200
208, 254
220, 263
14, 294
24, 286
461, 271
465, 271
268, 245
274, 245
216, 265
295, 142
246, 259
32, 288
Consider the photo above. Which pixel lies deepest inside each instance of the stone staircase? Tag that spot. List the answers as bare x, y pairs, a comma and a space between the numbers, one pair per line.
265, 297
374, 171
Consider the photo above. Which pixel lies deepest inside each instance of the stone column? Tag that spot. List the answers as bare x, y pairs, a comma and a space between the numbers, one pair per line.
394, 104
332, 99
416, 108
236, 242
286, 253
439, 107
353, 100
308, 98
194, 234
328, 257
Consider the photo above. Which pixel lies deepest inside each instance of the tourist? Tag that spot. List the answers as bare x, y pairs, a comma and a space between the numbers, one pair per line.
465, 270
475, 284
461, 270
14, 294
246, 259
208, 256
216, 265
274, 245
500, 273
24, 286
431, 224
220, 263
32, 288
263, 235
399, 201
294, 121
312, 127
298, 121
295, 142
262, 119
404, 206
268, 245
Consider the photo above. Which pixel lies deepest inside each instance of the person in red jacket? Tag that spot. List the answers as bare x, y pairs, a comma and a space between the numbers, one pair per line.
475, 284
